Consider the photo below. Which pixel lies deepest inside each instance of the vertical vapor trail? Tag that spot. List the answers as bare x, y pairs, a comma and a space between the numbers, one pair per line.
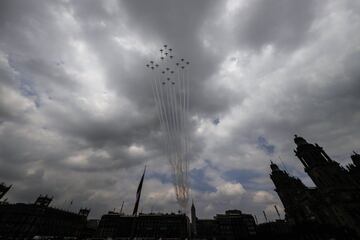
170, 88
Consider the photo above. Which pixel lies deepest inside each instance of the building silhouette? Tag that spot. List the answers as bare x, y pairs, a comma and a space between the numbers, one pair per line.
116, 225
193, 219
334, 202
278, 229
354, 168
144, 226
232, 225
25, 221
331, 210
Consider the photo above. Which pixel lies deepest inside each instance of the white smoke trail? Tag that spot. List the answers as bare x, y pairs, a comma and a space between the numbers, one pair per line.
171, 95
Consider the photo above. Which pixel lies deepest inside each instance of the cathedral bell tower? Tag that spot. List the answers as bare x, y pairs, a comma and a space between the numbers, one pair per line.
324, 172
339, 190
290, 190
193, 219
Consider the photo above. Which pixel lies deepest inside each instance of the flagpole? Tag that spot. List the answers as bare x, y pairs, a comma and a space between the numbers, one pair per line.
138, 193
121, 209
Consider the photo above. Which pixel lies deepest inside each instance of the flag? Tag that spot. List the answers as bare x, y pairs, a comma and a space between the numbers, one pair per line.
138, 193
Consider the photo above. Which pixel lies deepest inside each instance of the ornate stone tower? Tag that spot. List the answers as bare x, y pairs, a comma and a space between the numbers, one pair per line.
290, 190
325, 173
338, 189
193, 219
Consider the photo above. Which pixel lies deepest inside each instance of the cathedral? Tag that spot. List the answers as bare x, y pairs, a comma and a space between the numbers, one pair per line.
335, 201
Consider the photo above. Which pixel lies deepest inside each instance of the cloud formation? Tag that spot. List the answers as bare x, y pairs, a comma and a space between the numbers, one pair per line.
78, 120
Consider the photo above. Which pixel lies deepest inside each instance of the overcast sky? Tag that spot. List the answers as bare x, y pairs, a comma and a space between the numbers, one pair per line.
78, 119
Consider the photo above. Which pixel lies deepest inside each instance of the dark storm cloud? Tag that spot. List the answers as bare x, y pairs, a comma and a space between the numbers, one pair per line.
284, 24
77, 117
178, 23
